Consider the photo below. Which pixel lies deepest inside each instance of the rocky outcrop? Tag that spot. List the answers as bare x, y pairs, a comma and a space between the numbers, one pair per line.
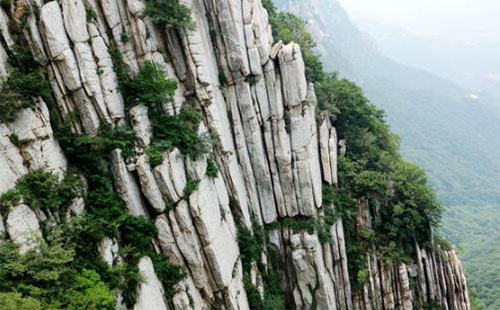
23, 227
273, 157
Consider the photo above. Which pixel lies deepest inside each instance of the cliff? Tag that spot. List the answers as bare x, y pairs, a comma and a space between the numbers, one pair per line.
267, 162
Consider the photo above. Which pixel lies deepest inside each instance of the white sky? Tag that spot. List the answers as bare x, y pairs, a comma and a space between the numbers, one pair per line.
437, 17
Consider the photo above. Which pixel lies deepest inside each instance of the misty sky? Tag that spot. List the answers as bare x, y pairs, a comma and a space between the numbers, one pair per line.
437, 17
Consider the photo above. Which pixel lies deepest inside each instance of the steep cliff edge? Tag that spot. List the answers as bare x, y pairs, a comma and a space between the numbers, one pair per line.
209, 132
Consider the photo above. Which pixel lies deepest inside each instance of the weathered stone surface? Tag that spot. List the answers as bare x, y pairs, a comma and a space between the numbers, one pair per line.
58, 44
150, 293
107, 77
126, 185
37, 145
216, 234
75, 20
141, 124
148, 185
90, 79
23, 228
108, 249
11, 161
292, 75
3, 231
171, 177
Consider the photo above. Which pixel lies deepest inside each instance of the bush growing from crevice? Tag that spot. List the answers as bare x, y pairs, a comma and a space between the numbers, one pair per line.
320, 225
191, 187
328, 194
252, 243
25, 82
149, 87
91, 14
46, 278
40, 189
181, 131
14, 139
169, 13
169, 131
212, 167
251, 247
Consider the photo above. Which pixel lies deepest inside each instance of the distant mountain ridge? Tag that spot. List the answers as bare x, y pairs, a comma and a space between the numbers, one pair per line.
469, 60
453, 136
429, 113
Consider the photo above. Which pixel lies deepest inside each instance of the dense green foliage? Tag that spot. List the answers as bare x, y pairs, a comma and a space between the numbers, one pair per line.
252, 244
372, 172
212, 167
454, 138
24, 83
475, 229
151, 78
180, 131
42, 190
169, 13
169, 131
46, 278
85, 276
15, 301
397, 192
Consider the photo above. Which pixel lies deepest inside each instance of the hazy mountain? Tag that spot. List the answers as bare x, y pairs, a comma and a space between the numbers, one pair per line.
449, 126
469, 60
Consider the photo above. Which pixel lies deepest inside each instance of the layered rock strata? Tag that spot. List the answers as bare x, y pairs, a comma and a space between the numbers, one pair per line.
274, 158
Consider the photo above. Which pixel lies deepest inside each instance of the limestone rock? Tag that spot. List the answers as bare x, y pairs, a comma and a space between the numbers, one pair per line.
23, 228
126, 185
150, 293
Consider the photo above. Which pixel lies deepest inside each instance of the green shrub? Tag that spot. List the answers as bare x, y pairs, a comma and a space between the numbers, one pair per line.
361, 276
252, 244
124, 37
42, 189
328, 194
181, 131
47, 279
441, 243
149, 87
25, 82
18, 92
250, 247
15, 301
212, 167
191, 187
155, 152
91, 292
169, 13
254, 299
222, 79
91, 14
86, 148
106, 214
167, 273
14, 139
